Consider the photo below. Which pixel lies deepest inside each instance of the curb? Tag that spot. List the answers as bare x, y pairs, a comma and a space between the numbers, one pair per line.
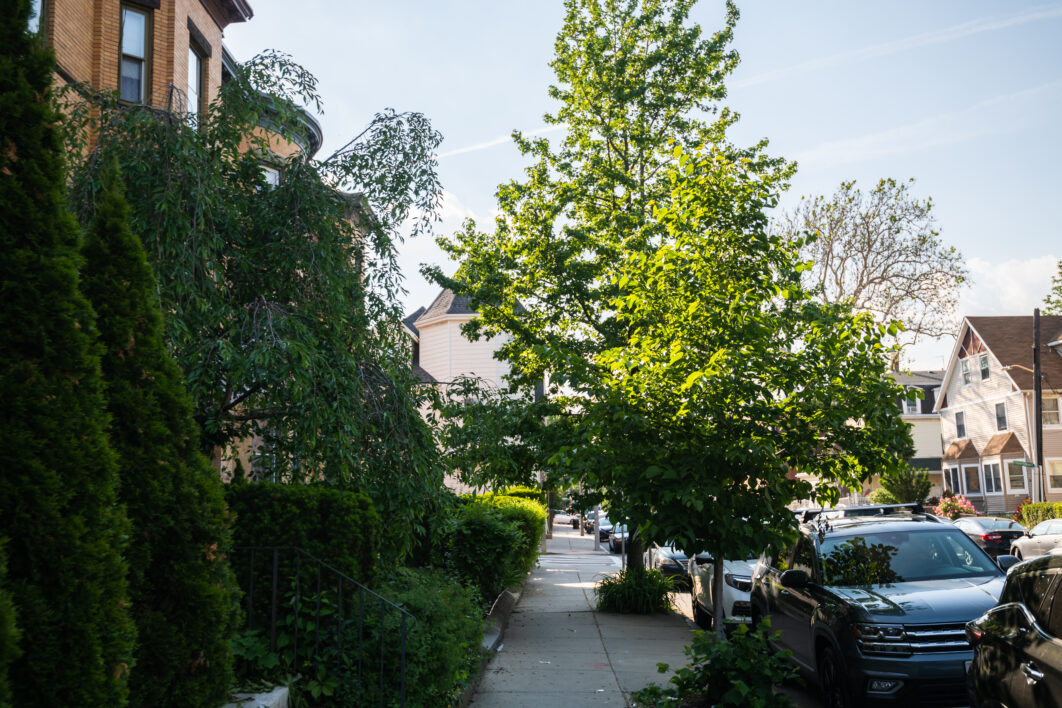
498, 619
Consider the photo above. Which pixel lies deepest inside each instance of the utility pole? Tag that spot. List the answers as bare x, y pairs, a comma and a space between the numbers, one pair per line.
1038, 403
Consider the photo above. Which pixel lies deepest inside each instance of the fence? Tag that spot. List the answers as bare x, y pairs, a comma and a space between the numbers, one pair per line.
309, 604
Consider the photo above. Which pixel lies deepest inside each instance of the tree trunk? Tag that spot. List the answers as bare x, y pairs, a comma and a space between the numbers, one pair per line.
634, 553
717, 596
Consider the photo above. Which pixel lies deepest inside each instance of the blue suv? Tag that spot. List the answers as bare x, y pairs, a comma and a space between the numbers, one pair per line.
875, 606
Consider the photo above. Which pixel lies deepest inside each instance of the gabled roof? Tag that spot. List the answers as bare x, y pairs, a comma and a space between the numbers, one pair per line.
1010, 340
446, 303
961, 450
422, 375
1004, 444
411, 319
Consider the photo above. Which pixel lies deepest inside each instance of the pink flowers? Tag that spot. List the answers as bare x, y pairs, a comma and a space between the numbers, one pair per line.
954, 507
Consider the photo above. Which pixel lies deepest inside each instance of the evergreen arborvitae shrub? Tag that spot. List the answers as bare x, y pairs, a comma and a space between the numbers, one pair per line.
9, 634
58, 488
181, 586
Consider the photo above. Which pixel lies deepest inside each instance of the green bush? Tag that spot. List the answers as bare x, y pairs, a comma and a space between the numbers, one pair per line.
530, 517
442, 648
59, 507
479, 548
339, 527
181, 589
907, 485
882, 496
635, 591
526, 493
9, 634
1034, 513
740, 671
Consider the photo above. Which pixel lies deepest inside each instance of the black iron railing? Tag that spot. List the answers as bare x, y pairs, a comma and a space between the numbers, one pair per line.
320, 623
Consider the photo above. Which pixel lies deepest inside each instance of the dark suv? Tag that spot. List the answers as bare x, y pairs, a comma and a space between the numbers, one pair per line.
876, 606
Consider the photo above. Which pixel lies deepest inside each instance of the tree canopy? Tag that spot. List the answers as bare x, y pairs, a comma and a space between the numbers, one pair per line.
281, 301
1053, 301
881, 251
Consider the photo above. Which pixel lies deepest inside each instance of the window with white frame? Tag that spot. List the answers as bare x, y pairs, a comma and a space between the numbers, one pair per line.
134, 65
983, 361
1049, 411
972, 479
195, 82
910, 405
1054, 474
964, 365
271, 174
993, 479
1015, 476
960, 424
1001, 416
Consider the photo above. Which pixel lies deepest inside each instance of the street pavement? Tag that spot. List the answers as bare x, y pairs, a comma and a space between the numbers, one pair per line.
557, 648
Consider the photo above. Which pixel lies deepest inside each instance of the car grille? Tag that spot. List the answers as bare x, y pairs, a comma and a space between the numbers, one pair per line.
927, 638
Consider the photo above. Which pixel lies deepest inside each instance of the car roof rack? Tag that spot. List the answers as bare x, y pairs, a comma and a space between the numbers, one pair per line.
870, 510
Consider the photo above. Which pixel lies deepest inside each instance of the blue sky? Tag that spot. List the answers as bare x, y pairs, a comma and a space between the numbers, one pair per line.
965, 96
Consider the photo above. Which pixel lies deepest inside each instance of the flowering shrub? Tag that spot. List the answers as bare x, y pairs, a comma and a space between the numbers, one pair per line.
1019, 513
954, 507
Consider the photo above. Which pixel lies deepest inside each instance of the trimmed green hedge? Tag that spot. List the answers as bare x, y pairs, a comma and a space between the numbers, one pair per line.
526, 493
479, 548
340, 527
1032, 514
530, 517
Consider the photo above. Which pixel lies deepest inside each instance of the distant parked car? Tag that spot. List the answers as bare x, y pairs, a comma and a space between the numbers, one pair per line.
604, 528
619, 538
995, 534
670, 561
1017, 660
737, 582
589, 520
1038, 540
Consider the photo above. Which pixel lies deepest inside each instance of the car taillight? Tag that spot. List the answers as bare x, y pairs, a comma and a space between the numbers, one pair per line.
991, 537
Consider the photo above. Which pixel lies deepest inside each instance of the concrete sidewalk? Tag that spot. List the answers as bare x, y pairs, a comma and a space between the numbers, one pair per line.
556, 648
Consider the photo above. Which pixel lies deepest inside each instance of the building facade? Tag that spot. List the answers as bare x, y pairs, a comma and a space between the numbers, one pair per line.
988, 419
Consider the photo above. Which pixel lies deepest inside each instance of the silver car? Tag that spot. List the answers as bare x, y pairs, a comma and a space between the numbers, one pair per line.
1040, 539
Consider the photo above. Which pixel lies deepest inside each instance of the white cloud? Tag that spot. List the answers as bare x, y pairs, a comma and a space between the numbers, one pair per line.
925, 39
998, 114
1010, 287
500, 140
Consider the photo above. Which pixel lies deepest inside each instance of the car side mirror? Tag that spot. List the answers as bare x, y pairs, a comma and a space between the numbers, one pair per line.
1026, 533
795, 579
703, 558
1005, 562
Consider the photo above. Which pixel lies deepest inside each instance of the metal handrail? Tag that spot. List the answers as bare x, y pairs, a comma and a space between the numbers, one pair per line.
342, 580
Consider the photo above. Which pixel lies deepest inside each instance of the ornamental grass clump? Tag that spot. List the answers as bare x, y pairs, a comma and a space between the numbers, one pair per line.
954, 507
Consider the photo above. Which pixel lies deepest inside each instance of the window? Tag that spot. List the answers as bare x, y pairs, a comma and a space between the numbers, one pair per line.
1054, 474
964, 364
973, 480
952, 480
271, 174
804, 557
1049, 411
36, 13
910, 405
195, 82
960, 425
993, 479
1001, 416
134, 67
984, 366
1015, 476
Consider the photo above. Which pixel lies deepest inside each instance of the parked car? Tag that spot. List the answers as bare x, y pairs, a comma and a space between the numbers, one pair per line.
619, 538
1017, 645
670, 561
604, 528
876, 607
737, 582
995, 534
1038, 540
590, 520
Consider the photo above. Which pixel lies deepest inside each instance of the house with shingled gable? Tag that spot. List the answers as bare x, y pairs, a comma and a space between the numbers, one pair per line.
987, 413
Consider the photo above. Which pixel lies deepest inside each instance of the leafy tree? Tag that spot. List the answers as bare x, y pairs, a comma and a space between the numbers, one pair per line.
181, 587
9, 634
281, 302
907, 485
1053, 301
734, 376
58, 492
633, 77
881, 251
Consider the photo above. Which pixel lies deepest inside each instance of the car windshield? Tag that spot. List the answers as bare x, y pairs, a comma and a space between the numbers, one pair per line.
902, 556
619, 528
1001, 524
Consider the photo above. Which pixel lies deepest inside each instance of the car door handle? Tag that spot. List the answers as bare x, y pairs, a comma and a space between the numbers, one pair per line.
1032, 674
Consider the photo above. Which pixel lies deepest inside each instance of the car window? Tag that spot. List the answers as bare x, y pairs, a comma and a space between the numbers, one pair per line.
1040, 528
962, 524
1054, 528
804, 557
1001, 525
900, 556
1032, 589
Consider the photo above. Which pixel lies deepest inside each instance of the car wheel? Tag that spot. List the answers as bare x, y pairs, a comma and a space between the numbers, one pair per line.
832, 680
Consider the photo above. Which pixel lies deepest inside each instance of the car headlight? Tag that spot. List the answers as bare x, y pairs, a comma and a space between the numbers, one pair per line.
882, 639
738, 582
